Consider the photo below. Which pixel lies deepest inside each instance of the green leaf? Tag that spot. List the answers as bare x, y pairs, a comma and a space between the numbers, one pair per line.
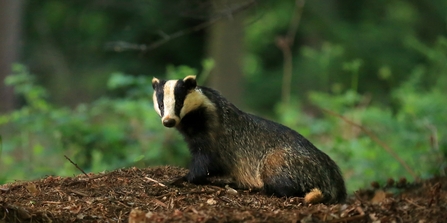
38, 149
138, 158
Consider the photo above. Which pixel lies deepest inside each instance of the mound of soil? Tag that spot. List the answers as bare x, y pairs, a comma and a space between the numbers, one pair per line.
143, 195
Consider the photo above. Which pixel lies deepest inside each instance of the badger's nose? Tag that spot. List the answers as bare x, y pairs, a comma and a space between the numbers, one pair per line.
169, 122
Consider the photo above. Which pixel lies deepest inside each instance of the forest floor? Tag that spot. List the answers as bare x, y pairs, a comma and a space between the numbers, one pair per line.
143, 195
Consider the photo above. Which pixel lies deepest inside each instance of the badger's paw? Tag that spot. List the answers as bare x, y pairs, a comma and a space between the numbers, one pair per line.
315, 196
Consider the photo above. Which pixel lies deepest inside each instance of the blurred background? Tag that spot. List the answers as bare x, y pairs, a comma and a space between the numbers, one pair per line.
365, 81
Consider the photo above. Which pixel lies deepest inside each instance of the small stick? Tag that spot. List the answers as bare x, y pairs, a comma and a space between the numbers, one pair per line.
76, 165
155, 181
160, 203
78, 193
413, 203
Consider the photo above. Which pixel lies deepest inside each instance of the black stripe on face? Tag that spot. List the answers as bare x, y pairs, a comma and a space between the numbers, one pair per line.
159, 93
180, 92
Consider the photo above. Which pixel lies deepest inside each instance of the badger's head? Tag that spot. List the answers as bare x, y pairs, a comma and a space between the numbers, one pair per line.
173, 99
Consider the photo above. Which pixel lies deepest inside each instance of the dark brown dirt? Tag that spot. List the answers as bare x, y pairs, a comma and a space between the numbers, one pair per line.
143, 195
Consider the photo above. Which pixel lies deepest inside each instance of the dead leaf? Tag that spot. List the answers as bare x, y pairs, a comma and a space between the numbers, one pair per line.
32, 188
211, 201
137, 216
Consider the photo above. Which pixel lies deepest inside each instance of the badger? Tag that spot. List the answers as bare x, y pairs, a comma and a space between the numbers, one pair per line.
256, 153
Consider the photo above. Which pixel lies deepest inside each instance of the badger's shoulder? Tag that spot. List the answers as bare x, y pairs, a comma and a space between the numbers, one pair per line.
217, 105
217, 99
228, 112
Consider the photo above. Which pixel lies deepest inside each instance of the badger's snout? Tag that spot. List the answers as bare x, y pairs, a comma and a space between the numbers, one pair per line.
169, 122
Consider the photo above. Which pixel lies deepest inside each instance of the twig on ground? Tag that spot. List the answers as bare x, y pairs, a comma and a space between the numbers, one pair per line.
155, 181
377, 140
80, 193
76, 165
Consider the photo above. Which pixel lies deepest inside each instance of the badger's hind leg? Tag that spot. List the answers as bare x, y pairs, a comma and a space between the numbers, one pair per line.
286, 174
278, 176
280, 183
282, 187
314, 196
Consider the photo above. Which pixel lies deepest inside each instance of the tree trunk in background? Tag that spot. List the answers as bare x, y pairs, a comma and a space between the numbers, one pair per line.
225, 41
10, 13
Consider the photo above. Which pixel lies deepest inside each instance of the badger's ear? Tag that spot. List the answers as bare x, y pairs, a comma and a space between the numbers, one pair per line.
155, 82
190, 82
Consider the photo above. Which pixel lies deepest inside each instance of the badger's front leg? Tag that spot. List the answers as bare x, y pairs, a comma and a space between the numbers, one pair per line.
199, 170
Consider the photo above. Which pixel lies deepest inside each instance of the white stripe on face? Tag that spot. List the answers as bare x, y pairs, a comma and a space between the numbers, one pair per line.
154, 98
169, 101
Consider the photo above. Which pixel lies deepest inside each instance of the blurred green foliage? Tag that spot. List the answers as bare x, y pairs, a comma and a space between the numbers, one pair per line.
103, 135
381, 64
415, 128
383, 40
415, 132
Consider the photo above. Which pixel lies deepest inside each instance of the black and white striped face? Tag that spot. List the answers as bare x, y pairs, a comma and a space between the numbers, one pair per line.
173, 99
